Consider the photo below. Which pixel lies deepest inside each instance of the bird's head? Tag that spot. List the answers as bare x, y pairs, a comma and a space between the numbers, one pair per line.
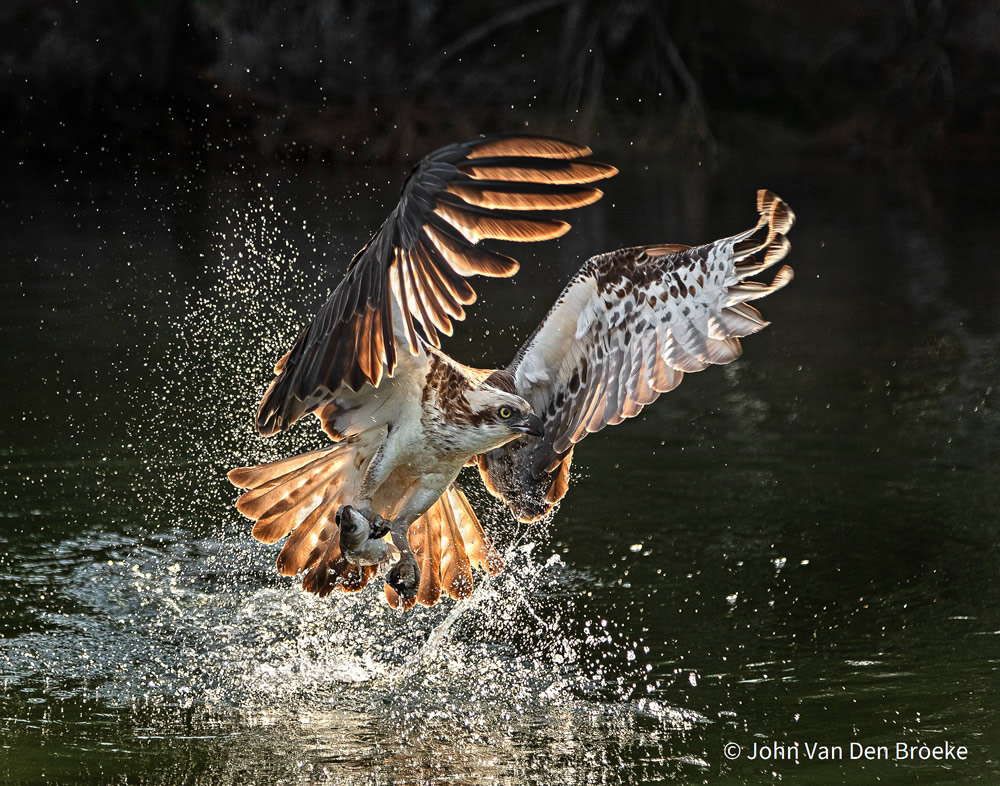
503, 416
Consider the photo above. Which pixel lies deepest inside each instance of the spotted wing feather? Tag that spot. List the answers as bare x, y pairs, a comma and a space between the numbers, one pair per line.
627, 328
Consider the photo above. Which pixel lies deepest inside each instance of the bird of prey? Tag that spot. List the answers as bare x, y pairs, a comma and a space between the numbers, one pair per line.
404, 417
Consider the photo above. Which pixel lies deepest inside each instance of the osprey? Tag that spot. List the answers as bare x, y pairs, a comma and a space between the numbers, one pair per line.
405, 417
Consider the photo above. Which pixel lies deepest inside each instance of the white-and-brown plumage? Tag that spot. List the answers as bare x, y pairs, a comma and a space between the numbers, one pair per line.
405, 417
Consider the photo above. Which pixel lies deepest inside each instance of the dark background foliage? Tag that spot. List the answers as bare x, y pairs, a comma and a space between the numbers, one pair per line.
332, 79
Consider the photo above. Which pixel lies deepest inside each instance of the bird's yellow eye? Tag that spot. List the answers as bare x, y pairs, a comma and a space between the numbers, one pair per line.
504, 412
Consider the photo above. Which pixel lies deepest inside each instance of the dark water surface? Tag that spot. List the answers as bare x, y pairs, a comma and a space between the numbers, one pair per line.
799, 547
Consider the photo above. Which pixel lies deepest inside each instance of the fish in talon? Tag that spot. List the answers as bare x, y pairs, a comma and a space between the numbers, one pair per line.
358, 541
355, 529
374, 552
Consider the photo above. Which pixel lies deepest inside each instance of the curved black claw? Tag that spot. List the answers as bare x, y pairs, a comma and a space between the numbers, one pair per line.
405, 577
380, 527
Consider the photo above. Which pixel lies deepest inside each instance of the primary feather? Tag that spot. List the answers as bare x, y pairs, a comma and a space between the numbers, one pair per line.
409, 281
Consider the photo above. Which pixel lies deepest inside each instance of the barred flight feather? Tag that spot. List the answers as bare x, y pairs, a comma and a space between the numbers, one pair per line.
643, 317
414, 264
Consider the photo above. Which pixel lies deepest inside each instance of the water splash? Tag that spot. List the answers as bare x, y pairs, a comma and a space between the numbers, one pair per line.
185, 629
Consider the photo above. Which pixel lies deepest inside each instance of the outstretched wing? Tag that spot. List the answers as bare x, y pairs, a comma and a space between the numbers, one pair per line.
628, 327
409, 281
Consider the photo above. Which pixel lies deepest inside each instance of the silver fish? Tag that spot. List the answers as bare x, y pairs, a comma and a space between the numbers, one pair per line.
358, 541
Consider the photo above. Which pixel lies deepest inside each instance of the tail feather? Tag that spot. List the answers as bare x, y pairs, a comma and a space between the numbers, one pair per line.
299, 497
456, 571
288, 489
254, 477
316, 538
425, 540
477, 545
448, 541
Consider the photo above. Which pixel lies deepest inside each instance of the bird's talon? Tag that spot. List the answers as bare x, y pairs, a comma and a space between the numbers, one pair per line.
380, 527
405, 577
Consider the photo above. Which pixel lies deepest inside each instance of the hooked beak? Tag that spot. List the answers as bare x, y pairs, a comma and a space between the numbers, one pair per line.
532, 426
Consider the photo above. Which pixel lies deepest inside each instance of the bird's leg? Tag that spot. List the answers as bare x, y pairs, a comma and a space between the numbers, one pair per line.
361, 537
376, 473
361, 528
405, 575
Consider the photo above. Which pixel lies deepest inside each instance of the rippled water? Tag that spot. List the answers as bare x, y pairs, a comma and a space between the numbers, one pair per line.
797, 547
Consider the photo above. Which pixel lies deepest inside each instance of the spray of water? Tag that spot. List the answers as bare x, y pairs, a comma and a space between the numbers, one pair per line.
186, 625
